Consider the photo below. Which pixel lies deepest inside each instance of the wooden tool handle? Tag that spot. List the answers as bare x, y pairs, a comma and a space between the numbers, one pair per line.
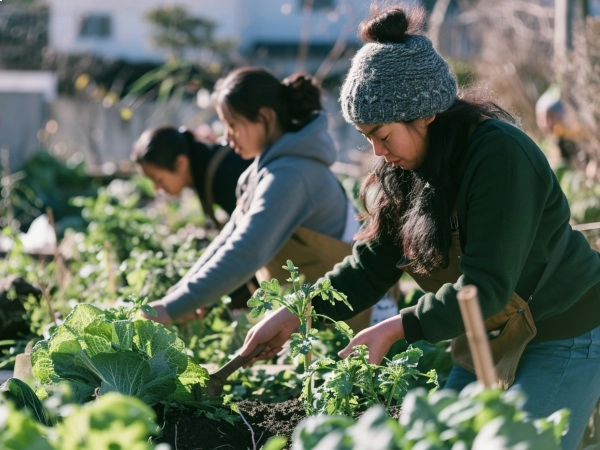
477, 336
237, 362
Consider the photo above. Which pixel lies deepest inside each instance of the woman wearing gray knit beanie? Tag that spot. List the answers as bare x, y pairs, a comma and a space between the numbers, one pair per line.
460, 196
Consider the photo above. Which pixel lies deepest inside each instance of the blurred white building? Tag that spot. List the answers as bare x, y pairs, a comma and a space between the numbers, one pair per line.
282, 29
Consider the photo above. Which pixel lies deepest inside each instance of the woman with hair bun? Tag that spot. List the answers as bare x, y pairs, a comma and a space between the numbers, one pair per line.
460, 196
175, 158
290, 204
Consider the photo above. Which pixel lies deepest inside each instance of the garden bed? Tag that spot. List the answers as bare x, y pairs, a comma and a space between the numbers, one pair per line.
257, 422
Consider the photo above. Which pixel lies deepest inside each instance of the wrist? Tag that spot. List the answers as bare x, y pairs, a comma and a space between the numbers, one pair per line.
392, 328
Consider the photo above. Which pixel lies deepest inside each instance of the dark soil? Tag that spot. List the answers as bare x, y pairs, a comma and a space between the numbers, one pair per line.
257, 422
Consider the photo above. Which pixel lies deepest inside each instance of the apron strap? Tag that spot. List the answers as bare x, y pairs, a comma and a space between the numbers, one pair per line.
209, 178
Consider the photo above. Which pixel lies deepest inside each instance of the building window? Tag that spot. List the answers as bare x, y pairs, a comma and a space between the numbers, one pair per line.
317, 4
96, 25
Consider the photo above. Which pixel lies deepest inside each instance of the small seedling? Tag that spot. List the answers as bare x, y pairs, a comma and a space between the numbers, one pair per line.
269, 296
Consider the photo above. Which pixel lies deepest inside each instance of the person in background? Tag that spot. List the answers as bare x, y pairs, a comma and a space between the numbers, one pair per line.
552, 119
290, 204
461, 196
175, 158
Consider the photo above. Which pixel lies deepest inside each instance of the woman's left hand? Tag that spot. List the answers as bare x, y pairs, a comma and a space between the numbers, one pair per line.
162, 316
378, 338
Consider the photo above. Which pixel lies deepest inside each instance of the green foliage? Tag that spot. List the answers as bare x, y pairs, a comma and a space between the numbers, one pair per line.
112, 421
118, 221
263, 386
175, 29
43, 182
173, 81
19, 431
97, 352
476, 418
269, 296
25, 399
434, 357
275, 443
352, 385
336, 387
149, 272
18, 202
583, 195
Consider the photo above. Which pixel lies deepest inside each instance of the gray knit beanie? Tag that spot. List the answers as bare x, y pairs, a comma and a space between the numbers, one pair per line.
397, 82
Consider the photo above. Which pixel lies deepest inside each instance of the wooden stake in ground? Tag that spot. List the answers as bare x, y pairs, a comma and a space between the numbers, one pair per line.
477, 336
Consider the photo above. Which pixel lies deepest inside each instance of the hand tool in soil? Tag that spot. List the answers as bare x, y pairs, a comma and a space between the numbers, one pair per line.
214, 385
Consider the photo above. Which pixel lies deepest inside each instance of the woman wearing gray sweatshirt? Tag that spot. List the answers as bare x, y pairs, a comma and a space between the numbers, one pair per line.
290, 203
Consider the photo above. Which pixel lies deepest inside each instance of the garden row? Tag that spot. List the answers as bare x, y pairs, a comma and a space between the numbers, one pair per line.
102, 377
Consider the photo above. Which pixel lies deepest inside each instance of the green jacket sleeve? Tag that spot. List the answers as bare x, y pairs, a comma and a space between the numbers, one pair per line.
365, 277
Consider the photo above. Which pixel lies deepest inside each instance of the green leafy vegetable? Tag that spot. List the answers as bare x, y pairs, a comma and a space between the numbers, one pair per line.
100, 351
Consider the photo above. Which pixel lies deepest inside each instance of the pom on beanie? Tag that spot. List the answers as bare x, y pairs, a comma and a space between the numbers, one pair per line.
397, 82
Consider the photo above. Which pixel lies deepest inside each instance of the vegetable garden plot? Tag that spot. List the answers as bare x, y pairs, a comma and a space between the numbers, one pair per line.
255, 406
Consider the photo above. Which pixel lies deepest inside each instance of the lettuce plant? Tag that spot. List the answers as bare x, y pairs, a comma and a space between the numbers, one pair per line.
98, 351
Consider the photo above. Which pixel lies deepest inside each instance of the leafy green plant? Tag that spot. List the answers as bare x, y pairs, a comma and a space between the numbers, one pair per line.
264, 386
329, 386
269, 296
299, 302
352, 385
25, 399
112, 421
98, 351
583, 195
150, 272
477, 418
18, 203
119, 221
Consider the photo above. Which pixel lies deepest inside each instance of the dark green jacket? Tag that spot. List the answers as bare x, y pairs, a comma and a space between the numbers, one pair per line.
511, 212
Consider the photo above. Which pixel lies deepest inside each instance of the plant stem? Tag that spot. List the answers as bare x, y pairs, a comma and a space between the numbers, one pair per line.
391, 396
308, 326
58, 263
109, 268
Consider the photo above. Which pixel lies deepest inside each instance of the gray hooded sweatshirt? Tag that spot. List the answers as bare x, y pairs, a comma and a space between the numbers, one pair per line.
290, 185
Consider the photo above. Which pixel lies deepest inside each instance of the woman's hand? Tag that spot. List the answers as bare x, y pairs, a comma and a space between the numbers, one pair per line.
274, 330
378, 338
162, 316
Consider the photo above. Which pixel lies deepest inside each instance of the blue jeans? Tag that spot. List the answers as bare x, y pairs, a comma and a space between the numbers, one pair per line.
557, 374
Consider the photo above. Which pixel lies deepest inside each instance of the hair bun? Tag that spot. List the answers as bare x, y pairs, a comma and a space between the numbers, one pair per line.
392, 25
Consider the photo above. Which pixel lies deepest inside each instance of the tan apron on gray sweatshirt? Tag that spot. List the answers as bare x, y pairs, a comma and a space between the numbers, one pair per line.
314, 254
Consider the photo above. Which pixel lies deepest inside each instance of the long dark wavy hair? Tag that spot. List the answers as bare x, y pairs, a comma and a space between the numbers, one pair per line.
415, 205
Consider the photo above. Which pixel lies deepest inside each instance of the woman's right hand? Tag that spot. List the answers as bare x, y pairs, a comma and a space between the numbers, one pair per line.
274, 330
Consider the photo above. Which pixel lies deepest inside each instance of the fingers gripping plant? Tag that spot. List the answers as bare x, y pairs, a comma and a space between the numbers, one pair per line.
331, 386
353, 385
299, 302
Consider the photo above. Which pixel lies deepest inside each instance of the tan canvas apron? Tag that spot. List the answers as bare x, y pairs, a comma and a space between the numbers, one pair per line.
314, 254
510, 330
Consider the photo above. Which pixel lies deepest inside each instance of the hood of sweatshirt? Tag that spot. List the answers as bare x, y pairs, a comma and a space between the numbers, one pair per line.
313, 141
